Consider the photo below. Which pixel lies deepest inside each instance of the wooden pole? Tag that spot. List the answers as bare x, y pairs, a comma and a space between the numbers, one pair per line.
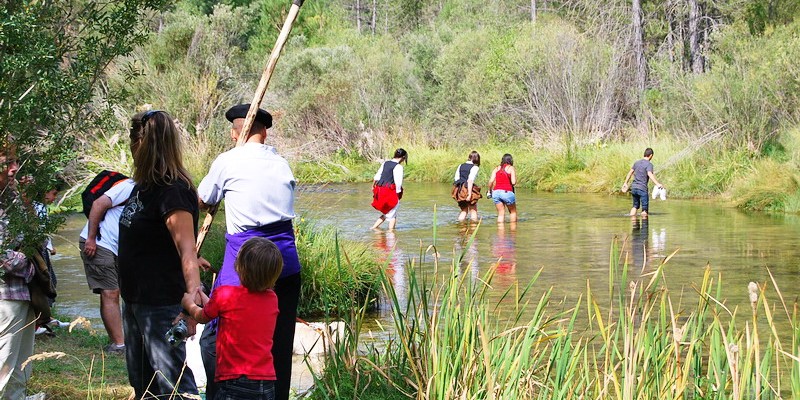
254, 105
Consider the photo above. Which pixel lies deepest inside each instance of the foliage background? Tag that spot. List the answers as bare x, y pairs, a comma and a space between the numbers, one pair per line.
359, 78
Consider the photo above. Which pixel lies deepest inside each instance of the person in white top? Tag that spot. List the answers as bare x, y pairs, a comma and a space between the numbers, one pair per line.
387, 189
99, 244
465, 191
258, 187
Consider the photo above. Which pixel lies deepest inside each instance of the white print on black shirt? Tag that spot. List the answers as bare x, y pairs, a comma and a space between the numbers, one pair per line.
134, 205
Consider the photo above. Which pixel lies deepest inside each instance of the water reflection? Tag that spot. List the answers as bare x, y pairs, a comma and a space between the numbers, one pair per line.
466, 249
504, 250
395, 261
639, 233
647, 244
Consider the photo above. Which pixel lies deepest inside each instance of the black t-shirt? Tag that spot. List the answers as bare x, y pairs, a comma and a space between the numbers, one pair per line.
149, 265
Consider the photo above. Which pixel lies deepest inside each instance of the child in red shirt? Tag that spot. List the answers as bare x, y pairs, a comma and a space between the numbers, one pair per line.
247, 317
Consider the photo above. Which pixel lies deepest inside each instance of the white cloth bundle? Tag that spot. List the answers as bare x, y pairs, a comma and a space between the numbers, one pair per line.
659, 191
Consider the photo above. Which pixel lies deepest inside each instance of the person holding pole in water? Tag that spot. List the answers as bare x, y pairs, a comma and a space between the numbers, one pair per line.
642, 172
258, 187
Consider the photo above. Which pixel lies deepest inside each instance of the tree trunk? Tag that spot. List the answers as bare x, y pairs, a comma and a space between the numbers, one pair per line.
670, 31
358, 15
695, 56
533, 11
637, 33
374, 16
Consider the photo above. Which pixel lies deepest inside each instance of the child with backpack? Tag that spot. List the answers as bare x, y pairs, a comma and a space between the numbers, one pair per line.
247, 316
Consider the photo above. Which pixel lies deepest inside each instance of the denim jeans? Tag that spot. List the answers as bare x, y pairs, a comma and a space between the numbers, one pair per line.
243, 388
640, 196
504, 196
154, 366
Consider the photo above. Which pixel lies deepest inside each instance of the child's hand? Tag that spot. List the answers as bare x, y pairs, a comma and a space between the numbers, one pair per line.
200, 297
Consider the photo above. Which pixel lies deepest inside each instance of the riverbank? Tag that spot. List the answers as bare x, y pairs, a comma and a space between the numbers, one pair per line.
757, 182
71, 365
635, 338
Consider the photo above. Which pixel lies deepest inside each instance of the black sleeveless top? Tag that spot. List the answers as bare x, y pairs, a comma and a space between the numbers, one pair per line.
463, 173
387, 176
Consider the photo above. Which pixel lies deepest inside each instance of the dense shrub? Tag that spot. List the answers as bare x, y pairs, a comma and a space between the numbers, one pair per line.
752, 89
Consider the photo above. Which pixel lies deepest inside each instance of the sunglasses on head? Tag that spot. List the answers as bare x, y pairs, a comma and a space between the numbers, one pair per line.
148, 114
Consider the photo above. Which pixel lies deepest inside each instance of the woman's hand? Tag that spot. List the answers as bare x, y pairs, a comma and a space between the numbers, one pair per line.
191, 324
204, 264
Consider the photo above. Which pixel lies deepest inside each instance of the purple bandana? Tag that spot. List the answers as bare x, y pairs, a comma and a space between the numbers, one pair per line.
281, 233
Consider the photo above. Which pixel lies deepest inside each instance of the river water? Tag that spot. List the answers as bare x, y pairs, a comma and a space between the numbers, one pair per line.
565, 236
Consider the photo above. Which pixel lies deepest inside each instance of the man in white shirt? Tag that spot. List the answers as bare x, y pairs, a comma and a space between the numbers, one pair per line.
258, 187
99, 246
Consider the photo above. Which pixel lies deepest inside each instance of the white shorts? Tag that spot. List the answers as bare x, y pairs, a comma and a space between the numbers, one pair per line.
392, 214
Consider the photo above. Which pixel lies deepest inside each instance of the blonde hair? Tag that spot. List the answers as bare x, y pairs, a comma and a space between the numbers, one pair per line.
156, 148
259, 264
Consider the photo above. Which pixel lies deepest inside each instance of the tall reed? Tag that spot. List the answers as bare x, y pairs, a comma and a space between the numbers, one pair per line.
638, 340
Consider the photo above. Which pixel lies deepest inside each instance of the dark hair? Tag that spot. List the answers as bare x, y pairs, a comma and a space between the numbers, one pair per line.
475, 158
648, 152
401, 154
507, 159
60, 184
156, 148
259, 264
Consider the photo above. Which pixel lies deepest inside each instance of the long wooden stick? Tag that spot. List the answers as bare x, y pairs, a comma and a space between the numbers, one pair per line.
254, 105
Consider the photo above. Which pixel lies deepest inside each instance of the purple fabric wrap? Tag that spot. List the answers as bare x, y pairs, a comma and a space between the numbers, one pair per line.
281, 233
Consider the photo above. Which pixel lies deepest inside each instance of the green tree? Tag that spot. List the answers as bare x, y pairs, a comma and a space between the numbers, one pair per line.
52, 56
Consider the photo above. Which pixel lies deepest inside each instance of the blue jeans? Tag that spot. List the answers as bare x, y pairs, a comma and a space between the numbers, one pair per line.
640, 196
243, 388
154, 366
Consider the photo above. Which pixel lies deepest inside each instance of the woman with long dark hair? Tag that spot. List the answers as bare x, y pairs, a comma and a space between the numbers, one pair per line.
387, 189
501, 186
157, 259
465, 191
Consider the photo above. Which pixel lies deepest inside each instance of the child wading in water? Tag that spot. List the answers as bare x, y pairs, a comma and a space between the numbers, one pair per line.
247, 317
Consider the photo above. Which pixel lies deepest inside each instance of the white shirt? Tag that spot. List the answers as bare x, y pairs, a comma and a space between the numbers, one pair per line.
397, 173
109, 226
473, 173
41, 211
256, 183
